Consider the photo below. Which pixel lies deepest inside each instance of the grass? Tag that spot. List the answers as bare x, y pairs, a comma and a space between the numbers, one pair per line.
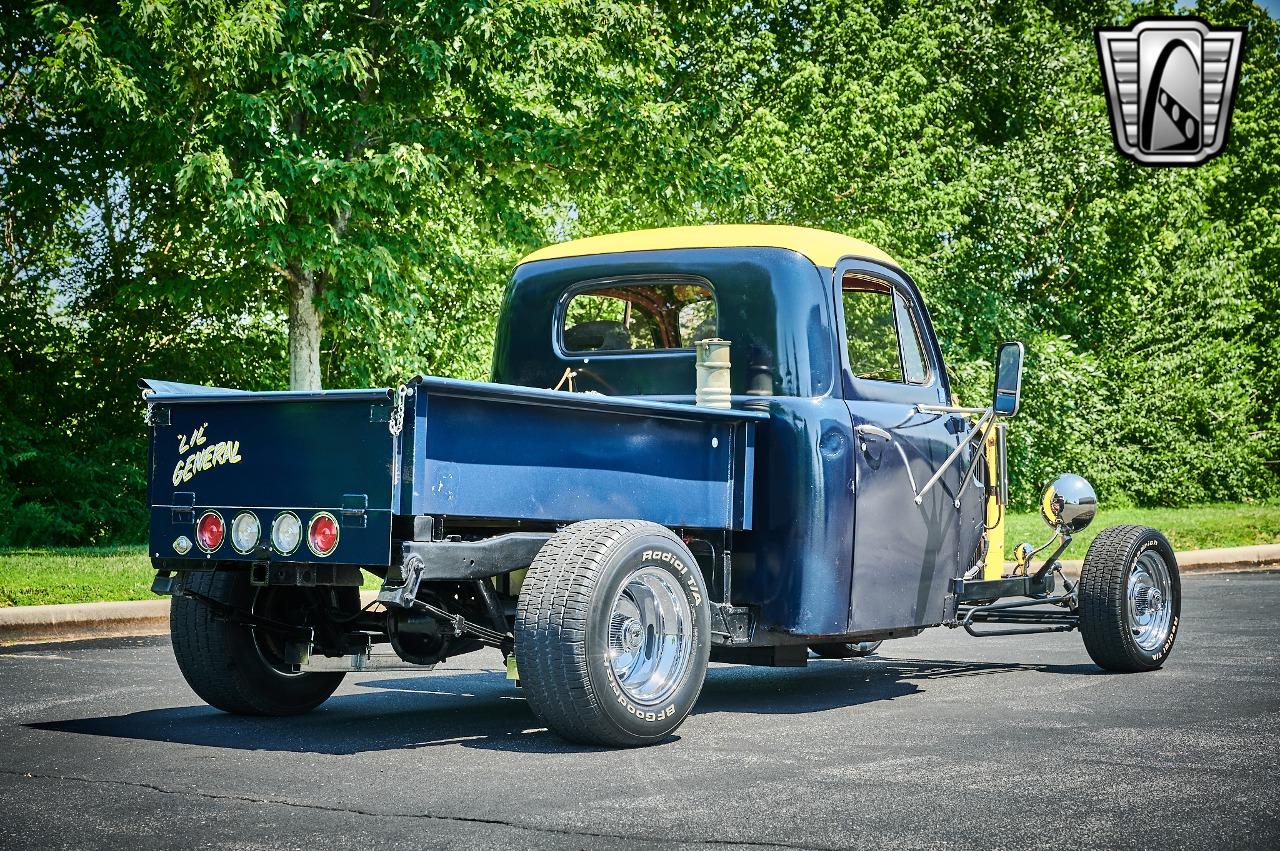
1199, 527
36, 577
30, 577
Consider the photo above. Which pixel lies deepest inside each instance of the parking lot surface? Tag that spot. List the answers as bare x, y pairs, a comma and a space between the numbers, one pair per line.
940, 741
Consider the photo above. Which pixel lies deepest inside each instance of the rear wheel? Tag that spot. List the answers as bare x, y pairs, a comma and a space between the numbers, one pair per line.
1130, 599
855, 650
247, 670
612, 637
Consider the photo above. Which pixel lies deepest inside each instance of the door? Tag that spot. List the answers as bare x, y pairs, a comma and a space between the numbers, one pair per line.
904, 554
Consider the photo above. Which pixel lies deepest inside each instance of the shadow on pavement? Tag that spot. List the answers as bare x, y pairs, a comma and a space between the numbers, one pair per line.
483, 710
114, 642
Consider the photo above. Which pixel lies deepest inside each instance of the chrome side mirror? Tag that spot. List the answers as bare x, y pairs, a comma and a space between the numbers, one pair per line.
1008, 395
1069, 504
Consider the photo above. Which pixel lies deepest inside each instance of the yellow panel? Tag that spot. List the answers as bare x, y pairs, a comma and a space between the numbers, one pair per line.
993, 568
823, 248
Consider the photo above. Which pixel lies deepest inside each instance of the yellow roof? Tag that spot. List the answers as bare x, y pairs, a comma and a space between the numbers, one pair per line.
823, 248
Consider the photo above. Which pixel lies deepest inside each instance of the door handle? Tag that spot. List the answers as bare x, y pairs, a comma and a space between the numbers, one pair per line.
875, 431
866, 429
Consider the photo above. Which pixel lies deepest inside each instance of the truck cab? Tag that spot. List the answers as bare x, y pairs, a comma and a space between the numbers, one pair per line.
829, 337
717, 443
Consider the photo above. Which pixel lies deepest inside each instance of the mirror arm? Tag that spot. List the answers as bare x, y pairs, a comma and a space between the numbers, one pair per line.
973, 465
948, 409
980, 428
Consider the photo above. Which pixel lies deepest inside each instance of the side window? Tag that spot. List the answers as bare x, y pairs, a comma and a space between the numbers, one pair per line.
914, 365
640, 316
882, 339
870, 331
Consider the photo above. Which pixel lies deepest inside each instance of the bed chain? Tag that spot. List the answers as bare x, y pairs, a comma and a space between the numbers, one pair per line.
396, 421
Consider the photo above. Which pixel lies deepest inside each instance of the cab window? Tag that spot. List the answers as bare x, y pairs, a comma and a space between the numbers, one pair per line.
639, 316
882, 340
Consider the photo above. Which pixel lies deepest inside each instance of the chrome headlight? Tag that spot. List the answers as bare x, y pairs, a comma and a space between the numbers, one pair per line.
1069, 504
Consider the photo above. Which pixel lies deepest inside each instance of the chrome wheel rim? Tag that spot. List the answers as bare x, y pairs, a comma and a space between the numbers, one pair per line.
1150, 601
650, 636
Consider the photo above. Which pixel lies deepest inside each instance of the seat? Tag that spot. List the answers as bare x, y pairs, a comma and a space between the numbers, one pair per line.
600, 335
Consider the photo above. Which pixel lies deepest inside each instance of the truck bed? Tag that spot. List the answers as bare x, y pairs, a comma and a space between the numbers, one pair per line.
464, 449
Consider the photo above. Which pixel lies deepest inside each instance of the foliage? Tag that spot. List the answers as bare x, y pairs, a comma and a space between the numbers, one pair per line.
172, 170
970, 139
347, 152
72, 447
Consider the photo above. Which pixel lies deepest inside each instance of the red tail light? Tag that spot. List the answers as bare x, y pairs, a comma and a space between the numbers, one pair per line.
210, 530
322, 536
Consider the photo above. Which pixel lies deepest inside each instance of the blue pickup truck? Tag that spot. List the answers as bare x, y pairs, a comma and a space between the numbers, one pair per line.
720, 443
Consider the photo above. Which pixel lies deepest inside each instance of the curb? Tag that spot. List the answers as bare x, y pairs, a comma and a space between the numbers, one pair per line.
75, 621
79, 621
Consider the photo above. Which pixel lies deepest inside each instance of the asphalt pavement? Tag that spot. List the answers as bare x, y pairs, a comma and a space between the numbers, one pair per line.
940, 741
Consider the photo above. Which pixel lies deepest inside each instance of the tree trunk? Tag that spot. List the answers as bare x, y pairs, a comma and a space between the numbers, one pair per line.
304, 331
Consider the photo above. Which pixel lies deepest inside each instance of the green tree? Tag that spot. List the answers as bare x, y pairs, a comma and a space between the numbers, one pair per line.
335, 155
971, 140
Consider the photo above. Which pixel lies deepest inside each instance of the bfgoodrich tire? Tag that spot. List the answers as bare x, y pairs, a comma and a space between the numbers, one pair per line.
1130, 599
612, 633
238, 669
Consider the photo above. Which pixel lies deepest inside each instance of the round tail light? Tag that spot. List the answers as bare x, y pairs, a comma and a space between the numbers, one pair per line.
246, 531
210, 530
286, 532
322, 536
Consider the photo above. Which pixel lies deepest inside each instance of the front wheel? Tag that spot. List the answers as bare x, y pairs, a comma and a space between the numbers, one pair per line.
612, 633
1130, 599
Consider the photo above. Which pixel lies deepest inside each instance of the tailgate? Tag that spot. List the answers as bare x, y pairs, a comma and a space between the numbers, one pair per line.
269, 453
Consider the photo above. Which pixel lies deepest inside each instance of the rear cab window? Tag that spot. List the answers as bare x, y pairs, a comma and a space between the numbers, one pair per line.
638, 315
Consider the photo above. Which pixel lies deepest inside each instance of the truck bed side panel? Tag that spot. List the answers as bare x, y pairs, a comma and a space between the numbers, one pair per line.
489, 451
